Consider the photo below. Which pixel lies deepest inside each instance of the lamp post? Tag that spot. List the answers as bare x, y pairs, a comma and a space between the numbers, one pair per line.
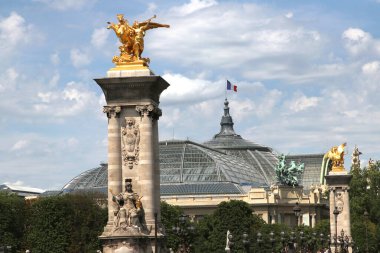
366, 215
344, 242
336, 213
297, 212
184, 233
246, 242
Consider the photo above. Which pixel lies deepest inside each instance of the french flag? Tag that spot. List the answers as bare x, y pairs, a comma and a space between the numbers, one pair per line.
231, 86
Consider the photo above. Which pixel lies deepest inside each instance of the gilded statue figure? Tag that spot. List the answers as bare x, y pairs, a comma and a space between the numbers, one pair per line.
130, 135
132, 39
336, 156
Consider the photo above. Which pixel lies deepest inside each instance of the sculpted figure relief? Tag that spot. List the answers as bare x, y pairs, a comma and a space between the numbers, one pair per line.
132, 38
130, 135
129, 212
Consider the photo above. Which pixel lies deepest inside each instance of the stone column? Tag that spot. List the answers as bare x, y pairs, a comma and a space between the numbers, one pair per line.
313, 220
338, 186
149, 181
114, 157
133, 156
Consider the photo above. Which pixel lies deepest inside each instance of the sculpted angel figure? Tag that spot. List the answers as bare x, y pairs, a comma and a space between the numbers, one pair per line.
132, 38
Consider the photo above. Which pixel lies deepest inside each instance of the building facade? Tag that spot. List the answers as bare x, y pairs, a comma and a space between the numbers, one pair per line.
198, 176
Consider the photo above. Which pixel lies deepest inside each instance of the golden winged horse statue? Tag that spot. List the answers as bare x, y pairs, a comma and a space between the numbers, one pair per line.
132, 39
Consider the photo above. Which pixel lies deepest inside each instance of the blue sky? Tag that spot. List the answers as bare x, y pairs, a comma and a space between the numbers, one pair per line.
307, 72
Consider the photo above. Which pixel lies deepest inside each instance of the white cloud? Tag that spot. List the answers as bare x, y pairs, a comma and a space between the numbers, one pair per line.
183, 88
300, 102
152, 7
232, 38
71, 101
356, 40
72, 142
64, 5
371, 67
21, 144
8, 79
289, 15
193, 6
99, 37
54, 58
79, 58
171, 117
14, 31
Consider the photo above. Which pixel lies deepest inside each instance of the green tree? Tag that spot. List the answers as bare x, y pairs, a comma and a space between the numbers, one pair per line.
67, 224
169, 219
365, 196
235, 216
12, 209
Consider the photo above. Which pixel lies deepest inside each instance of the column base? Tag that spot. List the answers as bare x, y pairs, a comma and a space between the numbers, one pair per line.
133, 244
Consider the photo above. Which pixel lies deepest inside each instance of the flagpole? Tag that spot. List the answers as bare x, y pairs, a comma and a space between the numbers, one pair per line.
225, 91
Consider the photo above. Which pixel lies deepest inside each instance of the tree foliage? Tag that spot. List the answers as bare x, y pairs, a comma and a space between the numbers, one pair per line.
69, 223
235, 216
169, 219
365, 196
12, 213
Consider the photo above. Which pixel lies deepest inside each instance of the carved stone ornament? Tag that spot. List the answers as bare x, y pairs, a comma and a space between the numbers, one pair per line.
112, 111
339, 201
129, 214
126, 248
130, 135
149, 110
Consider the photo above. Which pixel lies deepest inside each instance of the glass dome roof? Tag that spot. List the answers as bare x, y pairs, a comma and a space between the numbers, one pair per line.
190, 162
222, 165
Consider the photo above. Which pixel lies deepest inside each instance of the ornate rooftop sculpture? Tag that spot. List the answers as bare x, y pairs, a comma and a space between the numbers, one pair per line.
356, 157
371, 164
132, 40
336, 156
287, 174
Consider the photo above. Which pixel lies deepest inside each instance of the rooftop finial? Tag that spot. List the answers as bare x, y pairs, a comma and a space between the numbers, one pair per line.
227, 124
226, 109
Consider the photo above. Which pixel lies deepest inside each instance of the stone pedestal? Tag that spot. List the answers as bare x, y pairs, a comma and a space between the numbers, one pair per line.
338, 183
132, 111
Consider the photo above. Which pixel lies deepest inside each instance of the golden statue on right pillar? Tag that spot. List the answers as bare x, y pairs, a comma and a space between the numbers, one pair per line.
132, 40
336, 156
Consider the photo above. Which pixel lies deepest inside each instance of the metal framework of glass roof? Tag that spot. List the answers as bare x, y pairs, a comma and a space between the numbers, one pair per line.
219, 166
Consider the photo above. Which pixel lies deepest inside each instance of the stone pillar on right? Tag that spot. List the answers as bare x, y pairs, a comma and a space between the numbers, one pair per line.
338, 181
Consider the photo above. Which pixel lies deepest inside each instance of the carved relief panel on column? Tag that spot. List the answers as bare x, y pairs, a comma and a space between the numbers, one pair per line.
130, 137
